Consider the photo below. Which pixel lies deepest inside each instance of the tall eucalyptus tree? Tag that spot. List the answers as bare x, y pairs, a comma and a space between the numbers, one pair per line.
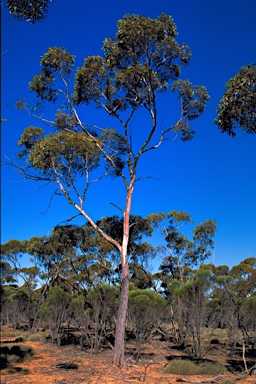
141, 61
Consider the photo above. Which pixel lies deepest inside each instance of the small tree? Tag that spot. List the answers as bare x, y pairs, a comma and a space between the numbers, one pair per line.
182, 255
139, 63
194, 309
248, 317
145, 312
102, 309
54, 311
94, 316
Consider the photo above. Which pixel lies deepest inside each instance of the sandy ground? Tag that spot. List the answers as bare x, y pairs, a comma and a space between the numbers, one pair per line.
69, 365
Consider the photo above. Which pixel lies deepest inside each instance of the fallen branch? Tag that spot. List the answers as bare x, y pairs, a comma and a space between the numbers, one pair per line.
250, 371
212, 380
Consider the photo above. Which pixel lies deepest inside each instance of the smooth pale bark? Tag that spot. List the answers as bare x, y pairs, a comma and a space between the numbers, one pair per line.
119, 349
119, 357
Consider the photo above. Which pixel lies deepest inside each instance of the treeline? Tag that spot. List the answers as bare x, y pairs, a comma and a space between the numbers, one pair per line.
73, 283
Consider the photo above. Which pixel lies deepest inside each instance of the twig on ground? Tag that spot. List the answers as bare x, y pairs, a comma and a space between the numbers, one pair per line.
212, 380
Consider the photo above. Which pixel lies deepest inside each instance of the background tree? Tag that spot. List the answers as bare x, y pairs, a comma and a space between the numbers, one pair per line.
248, 318
6, 273
146, 311
12, 253
182, 253
94, 315
28, 10
232, 294
101, 311
54, 311
192, 307
142, 60
176, 271
237, 106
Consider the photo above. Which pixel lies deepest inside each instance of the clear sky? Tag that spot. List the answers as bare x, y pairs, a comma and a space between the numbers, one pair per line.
211, 177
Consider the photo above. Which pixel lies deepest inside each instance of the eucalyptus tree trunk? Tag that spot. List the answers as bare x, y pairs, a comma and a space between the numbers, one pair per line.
119, 357
119, 349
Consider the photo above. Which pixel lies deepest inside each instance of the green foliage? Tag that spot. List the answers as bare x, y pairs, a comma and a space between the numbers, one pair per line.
188, 367
56, 61
184, 253
94, 314
142, 40
54, 311
203, 234
29, 138
102, 294
145, 299
193, 101
39, 336
244, 275
142, 60
6, 273
54, 308
70, 153
89, 80
13, 248
28, 10
237, 106
145, 307
145, 312
64, 121
11, 255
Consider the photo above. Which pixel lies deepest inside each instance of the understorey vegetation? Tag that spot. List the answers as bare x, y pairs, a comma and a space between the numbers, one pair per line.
70, 292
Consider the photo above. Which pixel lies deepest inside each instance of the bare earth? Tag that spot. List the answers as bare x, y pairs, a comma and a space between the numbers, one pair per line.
69, 365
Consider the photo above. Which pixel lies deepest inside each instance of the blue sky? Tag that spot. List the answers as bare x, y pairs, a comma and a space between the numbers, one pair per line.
211, 177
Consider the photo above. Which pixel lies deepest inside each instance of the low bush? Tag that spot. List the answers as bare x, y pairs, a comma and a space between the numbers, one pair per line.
40, 336
20, 339
188, 367
15, 354
10, 334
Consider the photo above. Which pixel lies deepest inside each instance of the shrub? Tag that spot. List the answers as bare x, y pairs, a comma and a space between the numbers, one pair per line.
20, 339
15, 354
37, 337
11, 334
188, 367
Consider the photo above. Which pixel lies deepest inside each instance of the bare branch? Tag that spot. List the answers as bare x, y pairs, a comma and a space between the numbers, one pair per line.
117, 207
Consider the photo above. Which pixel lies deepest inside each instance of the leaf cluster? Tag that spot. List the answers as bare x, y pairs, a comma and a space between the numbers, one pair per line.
237, 108
141, 60
54, 61
28, 10
63, 153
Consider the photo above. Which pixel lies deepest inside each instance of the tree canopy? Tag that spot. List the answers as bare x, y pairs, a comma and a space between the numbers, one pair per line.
237, 108
28, 10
